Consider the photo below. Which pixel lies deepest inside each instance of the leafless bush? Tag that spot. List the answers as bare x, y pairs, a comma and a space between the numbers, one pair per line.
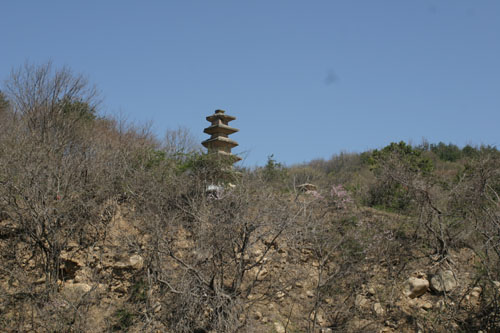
207, 253
180, 142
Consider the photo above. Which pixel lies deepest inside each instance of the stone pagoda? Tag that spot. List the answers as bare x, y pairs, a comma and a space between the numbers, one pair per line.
219, 130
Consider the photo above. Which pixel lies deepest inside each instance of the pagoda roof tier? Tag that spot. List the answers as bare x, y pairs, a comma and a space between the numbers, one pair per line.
220, 114
226, 154
221, 128
219, 142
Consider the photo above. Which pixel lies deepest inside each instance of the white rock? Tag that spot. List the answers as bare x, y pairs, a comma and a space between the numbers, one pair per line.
441, 305
415, 287
136, 261
279, 327
378, 309
157, 307
257, 315
80, 288
443, 281
320, 318
360, 301
474, 296
426, 305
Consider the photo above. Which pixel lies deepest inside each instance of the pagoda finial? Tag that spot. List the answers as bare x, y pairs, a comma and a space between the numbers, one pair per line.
219, 131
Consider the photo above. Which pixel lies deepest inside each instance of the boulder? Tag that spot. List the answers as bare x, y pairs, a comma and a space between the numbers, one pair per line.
443, 281
134, 262
378, 309
426, 305
416, 286
320, 318
361, 302
279, 328
371, 290
77, 288
474, 296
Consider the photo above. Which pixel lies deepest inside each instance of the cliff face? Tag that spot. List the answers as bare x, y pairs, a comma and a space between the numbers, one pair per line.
324, 269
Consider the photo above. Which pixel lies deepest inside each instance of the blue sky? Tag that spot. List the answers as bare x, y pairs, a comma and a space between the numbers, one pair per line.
305, 79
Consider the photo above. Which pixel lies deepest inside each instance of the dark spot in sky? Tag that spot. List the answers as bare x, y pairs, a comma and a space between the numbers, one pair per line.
331, 77
432, 9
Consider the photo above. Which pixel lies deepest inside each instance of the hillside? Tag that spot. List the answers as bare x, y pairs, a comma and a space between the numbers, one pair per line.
104, 228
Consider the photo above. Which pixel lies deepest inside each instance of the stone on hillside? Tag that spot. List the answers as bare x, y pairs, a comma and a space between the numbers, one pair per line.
78, 288
475, 295
157, 307
378, 309
134, 262
497, 285
443, 281
441, 305
320, 318
361, 301
279, 328
416, 286
261, 275
476, 291
371, 290
426, 305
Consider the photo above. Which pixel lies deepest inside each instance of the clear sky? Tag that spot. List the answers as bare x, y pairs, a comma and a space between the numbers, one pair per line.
305, 79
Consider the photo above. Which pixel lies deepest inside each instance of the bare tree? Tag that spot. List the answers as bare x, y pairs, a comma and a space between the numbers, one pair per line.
46, 159
180, 142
